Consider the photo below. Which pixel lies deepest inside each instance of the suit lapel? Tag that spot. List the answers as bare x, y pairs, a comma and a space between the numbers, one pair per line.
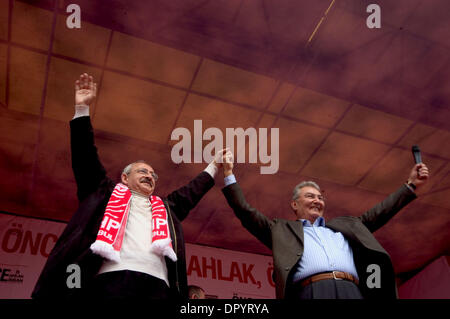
355, 232
297, 228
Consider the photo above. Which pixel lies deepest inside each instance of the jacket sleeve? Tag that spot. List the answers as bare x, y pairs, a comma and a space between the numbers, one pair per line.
86, 166
182, 200
382, 212
254, 221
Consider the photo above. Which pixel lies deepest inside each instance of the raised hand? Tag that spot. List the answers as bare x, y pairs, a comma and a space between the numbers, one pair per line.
218, 158
419, 175
224, 158
85, 90
227, 160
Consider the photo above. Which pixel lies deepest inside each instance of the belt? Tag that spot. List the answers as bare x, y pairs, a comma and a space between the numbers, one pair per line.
336, 275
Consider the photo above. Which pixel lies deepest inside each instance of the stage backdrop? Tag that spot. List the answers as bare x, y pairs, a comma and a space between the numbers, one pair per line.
433, 282
27, 242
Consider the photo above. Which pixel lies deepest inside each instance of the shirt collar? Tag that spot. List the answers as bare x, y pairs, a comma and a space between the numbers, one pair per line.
137, 194
319, 222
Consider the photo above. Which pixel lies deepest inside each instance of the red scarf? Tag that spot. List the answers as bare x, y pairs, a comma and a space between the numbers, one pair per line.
110, 235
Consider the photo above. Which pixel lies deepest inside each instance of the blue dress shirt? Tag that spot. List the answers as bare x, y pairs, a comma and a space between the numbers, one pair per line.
325, 250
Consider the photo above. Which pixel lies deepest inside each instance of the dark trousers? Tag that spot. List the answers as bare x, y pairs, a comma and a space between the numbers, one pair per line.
127, 284
325, 289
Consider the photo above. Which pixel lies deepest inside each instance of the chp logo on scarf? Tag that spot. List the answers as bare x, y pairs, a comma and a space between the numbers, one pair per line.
159, 219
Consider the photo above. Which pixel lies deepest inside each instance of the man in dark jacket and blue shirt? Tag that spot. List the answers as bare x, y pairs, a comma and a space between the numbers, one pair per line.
133, 267
336, 259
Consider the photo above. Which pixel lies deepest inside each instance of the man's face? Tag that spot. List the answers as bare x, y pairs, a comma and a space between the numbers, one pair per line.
141, 179
309, 204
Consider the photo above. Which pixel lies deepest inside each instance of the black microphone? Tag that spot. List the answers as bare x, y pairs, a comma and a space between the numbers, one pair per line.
416, 153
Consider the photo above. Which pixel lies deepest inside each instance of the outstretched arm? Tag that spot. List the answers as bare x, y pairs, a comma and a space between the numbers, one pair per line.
87, 169
254, 221
381, 213
187, 197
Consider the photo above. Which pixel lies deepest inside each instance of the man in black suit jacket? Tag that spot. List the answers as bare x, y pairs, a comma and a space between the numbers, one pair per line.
342, 260
134, 276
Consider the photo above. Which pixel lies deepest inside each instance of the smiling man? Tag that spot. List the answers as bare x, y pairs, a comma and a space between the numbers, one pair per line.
126, 241
314, 259
140, 176
307, 201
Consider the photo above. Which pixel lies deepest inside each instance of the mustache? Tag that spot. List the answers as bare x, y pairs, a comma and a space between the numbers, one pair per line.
146, 180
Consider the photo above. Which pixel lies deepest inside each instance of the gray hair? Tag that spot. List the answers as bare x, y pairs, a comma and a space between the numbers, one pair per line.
127, 169
295, 194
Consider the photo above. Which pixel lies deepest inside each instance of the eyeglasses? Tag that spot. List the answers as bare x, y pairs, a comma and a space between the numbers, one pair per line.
312, 196
145, 171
